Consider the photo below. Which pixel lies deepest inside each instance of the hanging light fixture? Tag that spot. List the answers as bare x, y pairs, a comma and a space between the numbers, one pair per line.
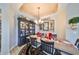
39, 20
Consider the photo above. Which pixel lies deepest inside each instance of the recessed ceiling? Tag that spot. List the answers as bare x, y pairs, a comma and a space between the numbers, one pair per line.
45, 8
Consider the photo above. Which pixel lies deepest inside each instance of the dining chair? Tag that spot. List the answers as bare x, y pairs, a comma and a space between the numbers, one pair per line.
77, 43
47, 48
33, 42
35, 47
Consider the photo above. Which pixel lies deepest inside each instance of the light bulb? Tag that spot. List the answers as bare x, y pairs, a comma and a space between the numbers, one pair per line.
41, 21
36, 21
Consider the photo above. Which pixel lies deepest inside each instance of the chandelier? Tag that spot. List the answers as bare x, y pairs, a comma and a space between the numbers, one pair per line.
39, 20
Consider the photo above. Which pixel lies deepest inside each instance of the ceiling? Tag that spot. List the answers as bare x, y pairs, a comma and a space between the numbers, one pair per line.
45, 8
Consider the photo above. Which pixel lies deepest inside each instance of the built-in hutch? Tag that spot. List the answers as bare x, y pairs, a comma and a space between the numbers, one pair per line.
25, 28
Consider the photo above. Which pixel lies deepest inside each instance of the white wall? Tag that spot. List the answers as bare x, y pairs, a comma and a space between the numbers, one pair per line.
5, 30
12, 24
9, 35
72, 11
61, 21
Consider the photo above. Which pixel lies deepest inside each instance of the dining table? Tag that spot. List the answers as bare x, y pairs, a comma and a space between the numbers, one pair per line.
62, 45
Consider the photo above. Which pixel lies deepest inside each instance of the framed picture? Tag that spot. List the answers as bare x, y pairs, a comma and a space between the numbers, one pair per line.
41, 26
46, 26
52, 24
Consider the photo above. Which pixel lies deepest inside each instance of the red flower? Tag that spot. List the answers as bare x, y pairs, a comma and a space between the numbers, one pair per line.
49, 36
39, 34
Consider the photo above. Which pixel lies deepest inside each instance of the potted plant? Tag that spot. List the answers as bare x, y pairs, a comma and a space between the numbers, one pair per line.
73, 22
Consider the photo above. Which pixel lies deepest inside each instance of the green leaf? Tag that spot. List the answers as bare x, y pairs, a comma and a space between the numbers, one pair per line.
74, 20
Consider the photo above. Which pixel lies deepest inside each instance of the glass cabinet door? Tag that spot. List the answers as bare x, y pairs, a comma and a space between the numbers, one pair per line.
27, 28
22, 28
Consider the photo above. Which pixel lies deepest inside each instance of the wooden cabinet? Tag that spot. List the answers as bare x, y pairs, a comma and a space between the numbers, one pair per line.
25, 28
